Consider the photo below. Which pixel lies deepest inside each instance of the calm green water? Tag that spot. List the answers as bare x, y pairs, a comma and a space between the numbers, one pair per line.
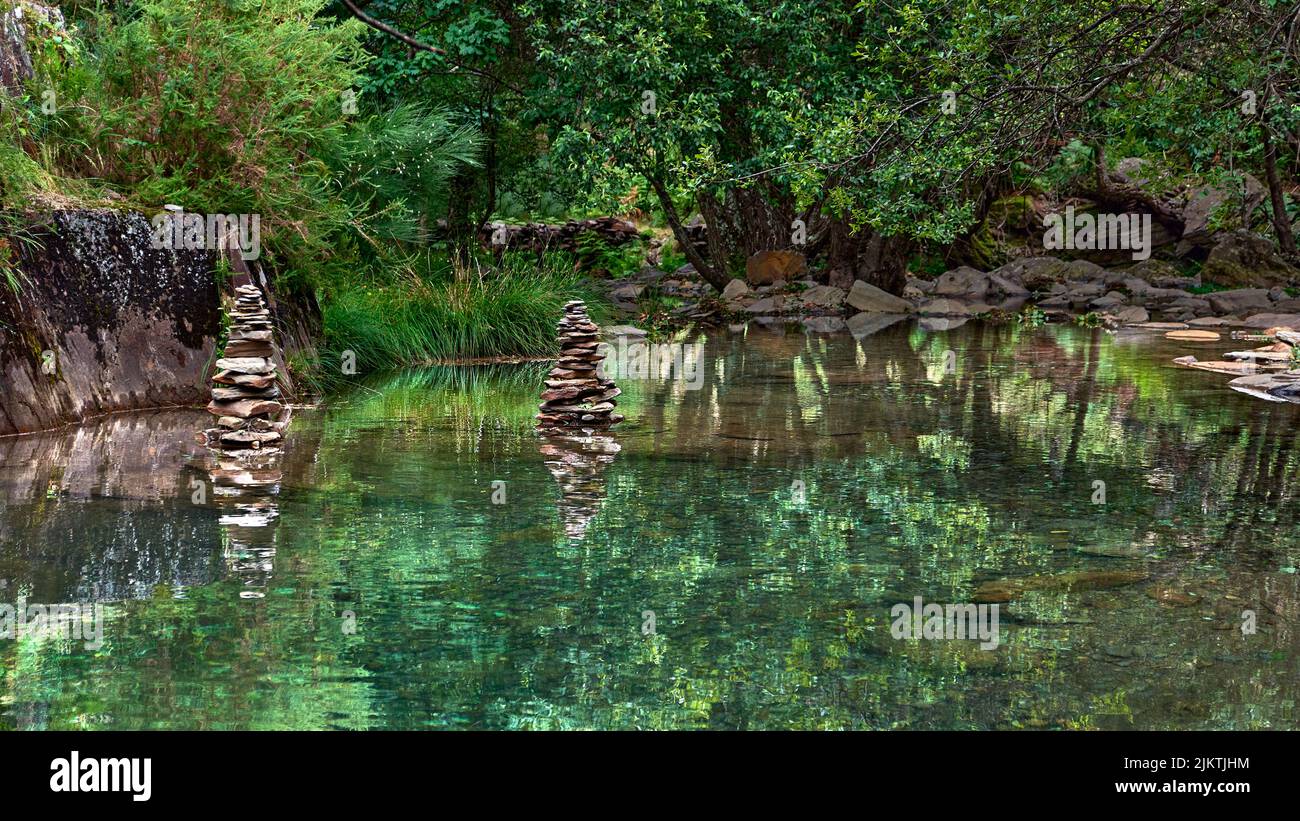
377, 585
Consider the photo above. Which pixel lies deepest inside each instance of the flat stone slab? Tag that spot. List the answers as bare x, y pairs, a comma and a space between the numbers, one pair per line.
250, 364
1194, 336
866, 297
1160, 326
244, 408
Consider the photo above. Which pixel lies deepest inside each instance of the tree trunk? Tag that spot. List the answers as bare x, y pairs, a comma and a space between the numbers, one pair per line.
712, 275
866, 255
1281, 223
462, 234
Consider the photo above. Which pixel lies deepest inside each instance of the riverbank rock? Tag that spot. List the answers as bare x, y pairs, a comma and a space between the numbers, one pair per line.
871, 299
1132, 315
1204, 202
1265, 321
964, 282
1242, 258
1239, 301
767, 267
735, 288
823, 296
103, 321
576, 396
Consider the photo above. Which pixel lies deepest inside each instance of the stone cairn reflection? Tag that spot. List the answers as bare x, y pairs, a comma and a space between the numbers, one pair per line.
244, 391
577, 397
577, 462
245, 445
577, 405
244, 490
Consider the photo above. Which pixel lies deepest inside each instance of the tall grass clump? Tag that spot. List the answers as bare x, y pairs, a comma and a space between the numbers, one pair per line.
506, 311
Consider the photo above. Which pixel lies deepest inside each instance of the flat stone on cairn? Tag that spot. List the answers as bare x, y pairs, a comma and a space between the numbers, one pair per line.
576, 397
244, 390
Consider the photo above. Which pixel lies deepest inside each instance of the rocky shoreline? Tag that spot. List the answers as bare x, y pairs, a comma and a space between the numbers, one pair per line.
1150, 291
1151, 296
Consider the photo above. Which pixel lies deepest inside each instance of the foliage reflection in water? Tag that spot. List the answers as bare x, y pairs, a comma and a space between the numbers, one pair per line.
434, 563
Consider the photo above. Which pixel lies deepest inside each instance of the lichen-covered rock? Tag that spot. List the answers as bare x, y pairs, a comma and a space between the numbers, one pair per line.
1244, 259
18, 25
102, 321
1209, 203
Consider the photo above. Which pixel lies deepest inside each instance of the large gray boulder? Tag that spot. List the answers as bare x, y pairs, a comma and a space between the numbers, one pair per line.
103, 322
1209, 202
1240, 301
869, 298
964, 282
1242, 258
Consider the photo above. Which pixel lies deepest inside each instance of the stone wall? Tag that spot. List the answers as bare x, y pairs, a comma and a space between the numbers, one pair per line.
101, 321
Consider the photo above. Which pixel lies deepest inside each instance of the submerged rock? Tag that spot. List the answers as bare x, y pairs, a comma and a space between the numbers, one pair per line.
1004, 590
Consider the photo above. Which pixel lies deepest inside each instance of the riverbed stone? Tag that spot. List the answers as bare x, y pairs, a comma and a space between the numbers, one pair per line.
866, 297
734, 288
1239, 300
1005, 590
766, 267
965, 282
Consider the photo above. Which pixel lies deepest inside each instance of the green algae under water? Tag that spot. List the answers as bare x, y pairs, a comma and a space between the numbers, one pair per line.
768, 519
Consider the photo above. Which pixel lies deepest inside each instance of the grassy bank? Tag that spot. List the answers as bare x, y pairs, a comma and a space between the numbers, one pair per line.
506, 311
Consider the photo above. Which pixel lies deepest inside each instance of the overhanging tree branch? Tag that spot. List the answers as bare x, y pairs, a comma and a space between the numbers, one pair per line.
419, 45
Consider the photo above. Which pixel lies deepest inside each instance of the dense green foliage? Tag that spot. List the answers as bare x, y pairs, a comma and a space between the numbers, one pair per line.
376, 149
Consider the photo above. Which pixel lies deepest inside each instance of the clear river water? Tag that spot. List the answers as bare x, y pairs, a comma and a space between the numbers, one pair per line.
727, 558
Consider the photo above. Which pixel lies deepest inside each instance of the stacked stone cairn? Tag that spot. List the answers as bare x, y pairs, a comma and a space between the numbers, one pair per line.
577, 396
244, 390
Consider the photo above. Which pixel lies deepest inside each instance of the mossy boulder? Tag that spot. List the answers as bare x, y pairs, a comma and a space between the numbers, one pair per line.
1244, 260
